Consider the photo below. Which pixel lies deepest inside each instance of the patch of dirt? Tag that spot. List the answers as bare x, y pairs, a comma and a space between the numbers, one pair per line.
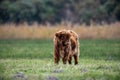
57, 71
52, 78
20, 76
84, 70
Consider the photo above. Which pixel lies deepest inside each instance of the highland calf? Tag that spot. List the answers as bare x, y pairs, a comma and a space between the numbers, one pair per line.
66, 45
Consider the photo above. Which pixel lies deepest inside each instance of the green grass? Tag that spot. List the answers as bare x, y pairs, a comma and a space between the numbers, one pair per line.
99, 60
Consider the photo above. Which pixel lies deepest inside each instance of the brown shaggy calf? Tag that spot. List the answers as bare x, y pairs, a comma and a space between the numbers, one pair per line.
66, 45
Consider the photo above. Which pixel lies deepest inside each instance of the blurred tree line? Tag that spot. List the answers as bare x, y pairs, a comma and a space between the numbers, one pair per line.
57, 11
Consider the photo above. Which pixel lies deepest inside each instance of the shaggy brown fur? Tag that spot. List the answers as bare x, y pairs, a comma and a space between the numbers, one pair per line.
66, 45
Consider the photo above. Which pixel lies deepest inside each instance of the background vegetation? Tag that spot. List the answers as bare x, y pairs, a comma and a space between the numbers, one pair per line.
57, 11
36, 31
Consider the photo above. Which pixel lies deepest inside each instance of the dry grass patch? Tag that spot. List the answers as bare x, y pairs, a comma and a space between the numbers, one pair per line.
36, 31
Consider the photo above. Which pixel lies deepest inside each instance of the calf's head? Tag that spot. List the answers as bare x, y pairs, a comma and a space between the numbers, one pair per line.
63, 37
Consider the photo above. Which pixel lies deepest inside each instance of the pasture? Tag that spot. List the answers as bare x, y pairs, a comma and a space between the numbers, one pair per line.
33, 59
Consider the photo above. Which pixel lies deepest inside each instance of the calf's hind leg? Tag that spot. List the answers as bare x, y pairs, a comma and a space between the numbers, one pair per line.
69, 60
76, 59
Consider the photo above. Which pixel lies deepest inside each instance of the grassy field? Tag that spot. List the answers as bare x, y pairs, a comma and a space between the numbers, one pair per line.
33, 60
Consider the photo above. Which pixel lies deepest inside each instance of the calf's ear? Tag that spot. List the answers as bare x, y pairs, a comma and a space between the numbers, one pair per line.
57, 34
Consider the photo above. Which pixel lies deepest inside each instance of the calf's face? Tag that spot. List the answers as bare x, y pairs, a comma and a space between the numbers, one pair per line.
63, 38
